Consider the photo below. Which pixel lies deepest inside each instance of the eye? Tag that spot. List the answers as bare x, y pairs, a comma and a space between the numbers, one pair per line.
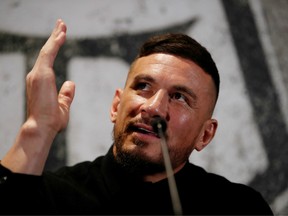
178, 96
142, 86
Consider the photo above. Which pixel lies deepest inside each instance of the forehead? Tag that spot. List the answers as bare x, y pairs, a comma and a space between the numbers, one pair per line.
168, 67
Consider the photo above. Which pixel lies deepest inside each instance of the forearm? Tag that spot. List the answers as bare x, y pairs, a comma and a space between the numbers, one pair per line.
30, 150
47, 110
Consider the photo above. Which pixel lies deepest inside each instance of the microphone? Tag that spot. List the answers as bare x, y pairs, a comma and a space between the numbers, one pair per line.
159, 126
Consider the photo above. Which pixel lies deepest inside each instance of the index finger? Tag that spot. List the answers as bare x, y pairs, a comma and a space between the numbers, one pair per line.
50, 49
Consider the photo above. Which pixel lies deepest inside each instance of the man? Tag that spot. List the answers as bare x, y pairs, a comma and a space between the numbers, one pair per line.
173, 79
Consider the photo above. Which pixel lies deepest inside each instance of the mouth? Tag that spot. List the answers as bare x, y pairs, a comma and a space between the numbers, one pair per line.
143, 129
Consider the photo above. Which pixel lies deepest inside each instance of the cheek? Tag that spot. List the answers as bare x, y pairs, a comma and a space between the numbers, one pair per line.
183, 127
177, 124
130, 105
182, 118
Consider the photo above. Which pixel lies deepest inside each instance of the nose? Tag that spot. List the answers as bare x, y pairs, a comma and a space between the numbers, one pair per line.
157, 105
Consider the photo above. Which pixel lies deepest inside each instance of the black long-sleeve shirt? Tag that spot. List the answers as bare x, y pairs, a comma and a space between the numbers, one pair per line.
103, 187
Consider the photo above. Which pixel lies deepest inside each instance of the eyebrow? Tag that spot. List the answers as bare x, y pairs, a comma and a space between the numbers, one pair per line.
144, 77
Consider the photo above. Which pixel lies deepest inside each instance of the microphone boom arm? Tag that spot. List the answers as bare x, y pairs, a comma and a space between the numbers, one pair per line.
160, 126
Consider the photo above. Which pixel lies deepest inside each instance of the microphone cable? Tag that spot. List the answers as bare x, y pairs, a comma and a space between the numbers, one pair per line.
159, 126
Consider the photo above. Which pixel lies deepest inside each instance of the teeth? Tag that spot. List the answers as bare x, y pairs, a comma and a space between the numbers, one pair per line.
145, 130
142, 129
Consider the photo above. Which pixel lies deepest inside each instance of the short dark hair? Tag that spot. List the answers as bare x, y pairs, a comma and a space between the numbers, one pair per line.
183, 46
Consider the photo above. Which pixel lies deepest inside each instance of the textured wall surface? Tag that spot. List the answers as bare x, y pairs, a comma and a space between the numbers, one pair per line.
247, 39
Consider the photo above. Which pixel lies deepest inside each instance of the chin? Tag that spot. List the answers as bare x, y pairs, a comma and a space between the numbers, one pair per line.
137, 159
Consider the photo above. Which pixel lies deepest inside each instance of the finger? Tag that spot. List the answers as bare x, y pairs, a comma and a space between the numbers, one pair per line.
66, 95
50, 49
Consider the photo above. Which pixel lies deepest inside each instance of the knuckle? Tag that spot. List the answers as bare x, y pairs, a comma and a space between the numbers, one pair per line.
30, 77
43, 52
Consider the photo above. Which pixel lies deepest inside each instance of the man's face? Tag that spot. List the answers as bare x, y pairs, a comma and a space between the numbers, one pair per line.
173, 88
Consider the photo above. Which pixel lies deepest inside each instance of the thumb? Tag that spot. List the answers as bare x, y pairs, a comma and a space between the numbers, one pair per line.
66, 95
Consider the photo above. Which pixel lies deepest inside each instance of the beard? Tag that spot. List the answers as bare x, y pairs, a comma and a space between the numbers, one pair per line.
135, 161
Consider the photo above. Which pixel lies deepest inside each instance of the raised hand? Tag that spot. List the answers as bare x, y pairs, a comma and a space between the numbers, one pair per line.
47, 110
45, 106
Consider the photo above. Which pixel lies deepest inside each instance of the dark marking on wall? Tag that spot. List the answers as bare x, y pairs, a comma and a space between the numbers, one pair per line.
263, 97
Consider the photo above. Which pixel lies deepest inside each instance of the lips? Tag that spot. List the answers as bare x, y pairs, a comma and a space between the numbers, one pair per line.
143, 129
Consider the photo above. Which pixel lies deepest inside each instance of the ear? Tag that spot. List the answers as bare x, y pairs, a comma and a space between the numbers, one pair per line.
207, 134
115, 105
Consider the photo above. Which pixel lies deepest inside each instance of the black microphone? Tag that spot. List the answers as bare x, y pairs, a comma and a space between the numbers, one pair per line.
159, 126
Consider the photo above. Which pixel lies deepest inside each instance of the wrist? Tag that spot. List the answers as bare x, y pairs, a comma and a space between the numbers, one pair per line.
30, 151
34, 129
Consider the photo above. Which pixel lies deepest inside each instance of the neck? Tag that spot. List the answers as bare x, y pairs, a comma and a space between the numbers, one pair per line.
160, 176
